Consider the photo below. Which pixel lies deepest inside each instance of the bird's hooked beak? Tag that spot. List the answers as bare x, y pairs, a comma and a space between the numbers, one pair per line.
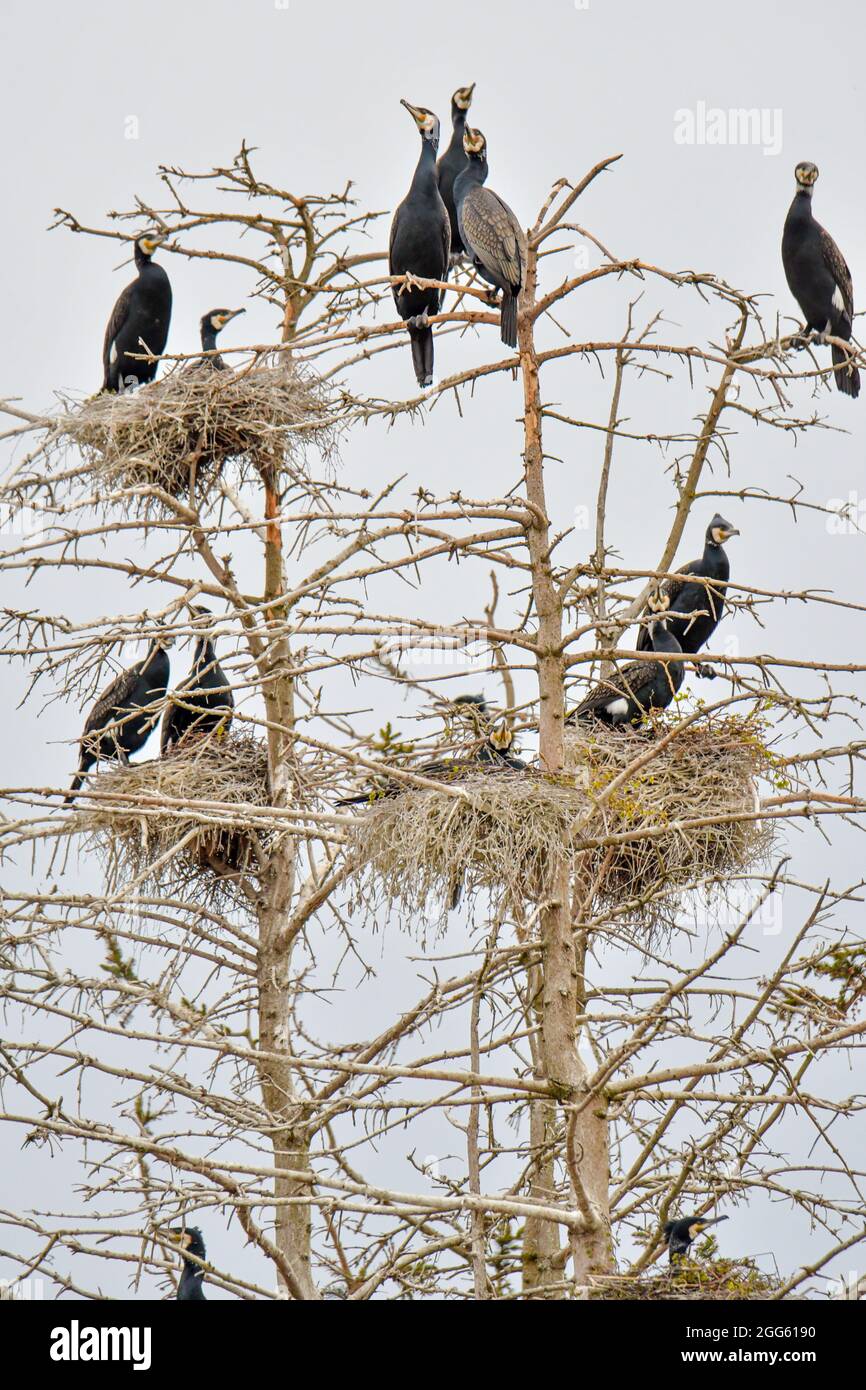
473, 141
462, 98
417, 113
220, 320
152, 241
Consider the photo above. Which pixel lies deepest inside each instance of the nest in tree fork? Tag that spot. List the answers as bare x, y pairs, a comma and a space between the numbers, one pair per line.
631, 850
177, 433
194, 820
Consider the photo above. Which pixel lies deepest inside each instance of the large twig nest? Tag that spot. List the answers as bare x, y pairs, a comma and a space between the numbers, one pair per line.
175, 434
634, 850
191, 822
712, 1281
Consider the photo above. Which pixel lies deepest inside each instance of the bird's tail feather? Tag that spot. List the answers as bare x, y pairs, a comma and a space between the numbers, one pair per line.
508, 319
76, 783
847, 378
422, 354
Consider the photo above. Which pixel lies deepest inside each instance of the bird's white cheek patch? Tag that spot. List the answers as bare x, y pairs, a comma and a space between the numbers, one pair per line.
617, 709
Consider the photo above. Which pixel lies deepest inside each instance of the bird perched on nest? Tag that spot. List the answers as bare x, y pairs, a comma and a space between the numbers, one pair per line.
696, 607
493, 755
819, 278
420, 245
678, 1235
639, 686
212, 324
124, 716
139, 321
494, 239
203, 703
452, 164
191, 1241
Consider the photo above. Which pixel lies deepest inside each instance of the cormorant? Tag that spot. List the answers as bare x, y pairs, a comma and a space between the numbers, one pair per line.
678, 1235
139, 321
626, 697
494, 754
695, 609
203, 702
189, 1289
126, 712
212, 324
818, 277
453, 162
492, 235
420, 245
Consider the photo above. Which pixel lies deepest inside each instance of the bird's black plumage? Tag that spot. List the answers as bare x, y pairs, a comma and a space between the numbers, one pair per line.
420, 245
452, 164
491, 756
139, 322
639, 686
818, 277
203, 702
696, 600
189, 1290
212, 324
494, 239
678, 1235
127, 711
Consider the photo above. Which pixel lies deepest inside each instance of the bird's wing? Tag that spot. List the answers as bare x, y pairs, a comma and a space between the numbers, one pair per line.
838, 268
113, 696
496, 236
625, 682
115, 323
395, 224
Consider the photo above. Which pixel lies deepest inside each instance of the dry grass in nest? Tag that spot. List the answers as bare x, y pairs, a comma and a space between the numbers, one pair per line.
712, 1281
500, 833
188, 424
134, 820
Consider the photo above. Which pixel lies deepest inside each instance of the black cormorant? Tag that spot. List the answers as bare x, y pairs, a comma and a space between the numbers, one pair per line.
126, 713
699, 605
420, 245
818, 277
494, 239
678, 1235
204, 701
189, 1290
139, 321
639, 686
211, 325
493, 755
453, 162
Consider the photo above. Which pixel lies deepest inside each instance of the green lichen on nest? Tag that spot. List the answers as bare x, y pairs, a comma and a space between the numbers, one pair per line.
637, 846
717, 1281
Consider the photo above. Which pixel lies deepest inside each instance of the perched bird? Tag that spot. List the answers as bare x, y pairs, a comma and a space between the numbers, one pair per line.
678, 1235
211, 325
126, 712
697, 600
818, 277
453, 162
139, 321
204, 701
189, 1290
493, 755
639, 686
420, 245
494, 239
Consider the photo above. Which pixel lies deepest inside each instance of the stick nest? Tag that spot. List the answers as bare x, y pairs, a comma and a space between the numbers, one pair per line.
418, 850
193, 823
176, 434
716, 1281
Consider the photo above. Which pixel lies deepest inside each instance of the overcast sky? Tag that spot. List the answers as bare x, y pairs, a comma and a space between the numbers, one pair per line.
559, 85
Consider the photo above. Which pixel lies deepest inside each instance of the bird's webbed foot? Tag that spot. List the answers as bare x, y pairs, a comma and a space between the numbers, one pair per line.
708, 673
418, 320
493, 298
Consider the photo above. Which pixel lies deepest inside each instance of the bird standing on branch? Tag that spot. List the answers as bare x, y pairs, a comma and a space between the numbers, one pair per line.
696, 601
204, 702
139, 321
452, 164
420, 245
678, 1235
124, 716
492, 235
639, 686
818, 277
